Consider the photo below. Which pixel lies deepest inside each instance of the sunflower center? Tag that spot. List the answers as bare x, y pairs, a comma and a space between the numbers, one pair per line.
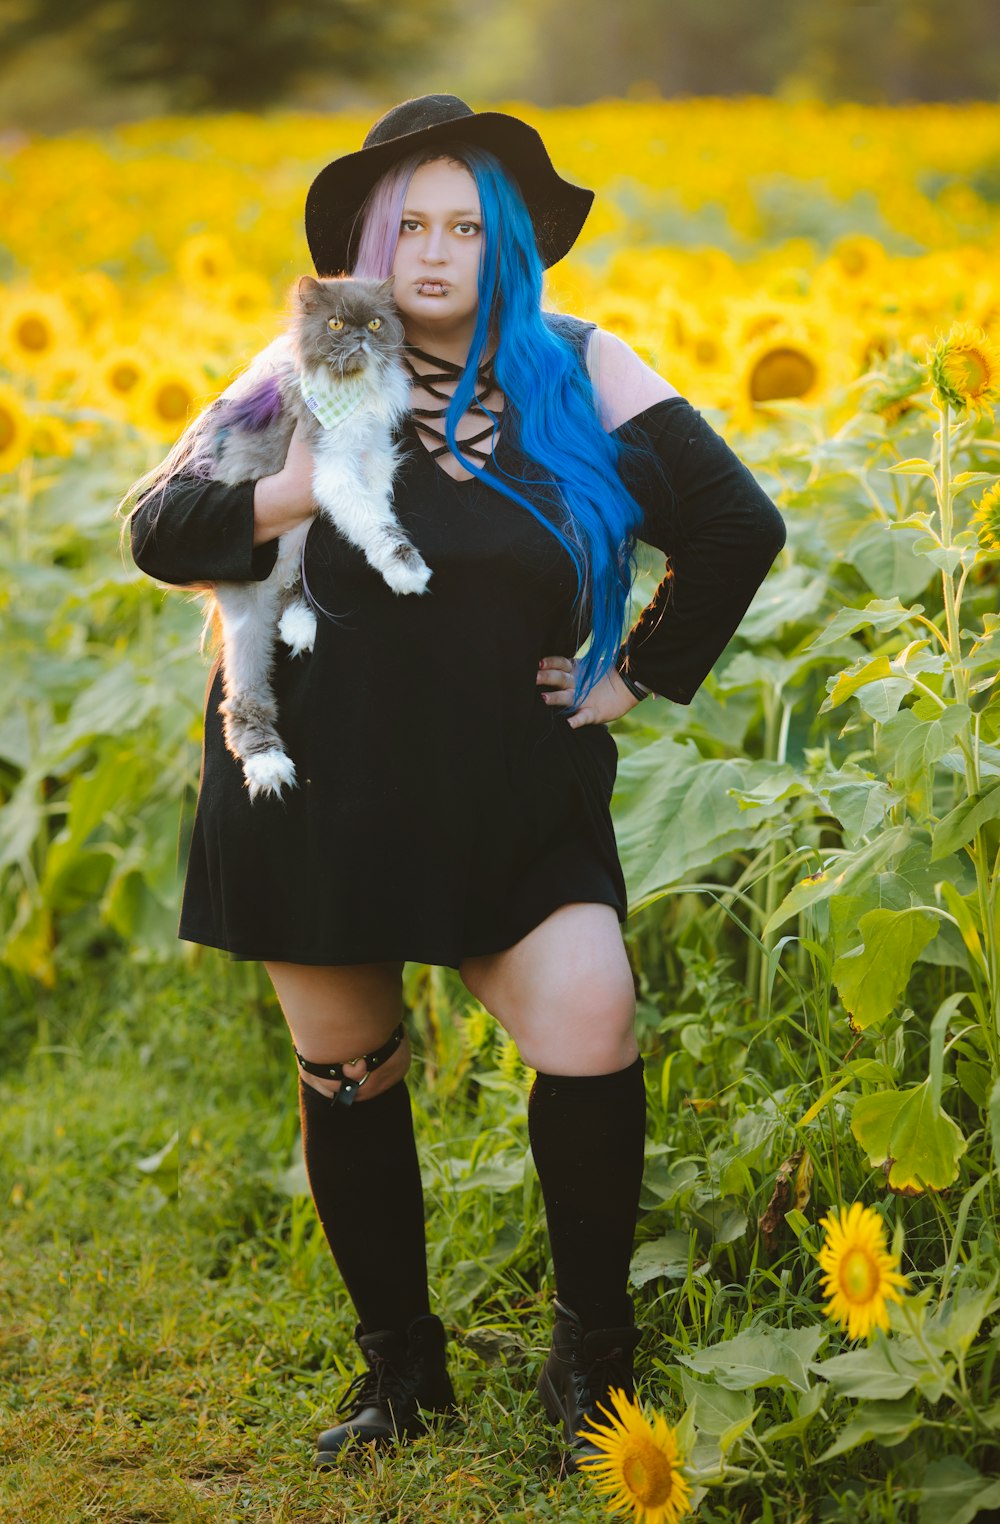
33, 334
859, 1276
974, 372
124, 376
7, 429
647, 1473
706, 350
172, 401
784, 372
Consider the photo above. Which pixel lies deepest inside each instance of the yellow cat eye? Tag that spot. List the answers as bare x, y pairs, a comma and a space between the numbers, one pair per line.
336, 324
375, 324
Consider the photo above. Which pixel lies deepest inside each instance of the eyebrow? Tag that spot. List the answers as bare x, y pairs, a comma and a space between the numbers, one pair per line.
409, 212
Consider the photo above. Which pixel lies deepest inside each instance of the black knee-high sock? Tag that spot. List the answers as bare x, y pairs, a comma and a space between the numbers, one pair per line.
587, 1135
363, 1172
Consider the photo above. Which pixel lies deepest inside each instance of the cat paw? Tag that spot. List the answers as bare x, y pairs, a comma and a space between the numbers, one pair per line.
409, 576
297, 628
268, 772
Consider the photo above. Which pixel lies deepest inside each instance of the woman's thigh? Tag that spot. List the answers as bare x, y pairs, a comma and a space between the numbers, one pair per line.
338, 1012
565, 992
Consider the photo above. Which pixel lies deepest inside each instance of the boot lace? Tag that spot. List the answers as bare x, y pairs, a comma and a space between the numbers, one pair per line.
378, 1385
594, 1384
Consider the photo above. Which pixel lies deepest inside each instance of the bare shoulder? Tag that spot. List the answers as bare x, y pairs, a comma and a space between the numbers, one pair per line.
623, 383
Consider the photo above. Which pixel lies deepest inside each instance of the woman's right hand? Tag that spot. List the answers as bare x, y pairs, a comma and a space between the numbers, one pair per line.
283, 500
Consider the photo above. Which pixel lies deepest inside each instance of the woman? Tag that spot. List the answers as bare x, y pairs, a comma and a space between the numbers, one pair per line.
455, 762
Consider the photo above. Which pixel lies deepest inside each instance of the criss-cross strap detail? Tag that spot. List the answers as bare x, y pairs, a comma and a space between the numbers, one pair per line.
449, 371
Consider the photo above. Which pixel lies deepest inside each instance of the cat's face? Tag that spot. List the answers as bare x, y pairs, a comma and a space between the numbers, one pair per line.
345, 324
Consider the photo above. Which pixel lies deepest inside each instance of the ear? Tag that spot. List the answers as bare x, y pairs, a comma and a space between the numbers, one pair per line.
387, 285
307, 291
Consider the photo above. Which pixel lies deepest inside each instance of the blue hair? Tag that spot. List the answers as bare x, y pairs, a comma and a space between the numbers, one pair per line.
550, 400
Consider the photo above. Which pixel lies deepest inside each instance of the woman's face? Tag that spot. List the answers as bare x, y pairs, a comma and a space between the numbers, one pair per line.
438, 254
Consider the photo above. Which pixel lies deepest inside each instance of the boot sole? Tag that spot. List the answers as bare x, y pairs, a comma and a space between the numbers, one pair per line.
420, 1424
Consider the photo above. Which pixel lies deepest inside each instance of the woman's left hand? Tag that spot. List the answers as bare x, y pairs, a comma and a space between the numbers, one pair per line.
607, 700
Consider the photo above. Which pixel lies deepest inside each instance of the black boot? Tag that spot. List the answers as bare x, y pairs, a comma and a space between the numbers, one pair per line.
406, 1372
580, 1371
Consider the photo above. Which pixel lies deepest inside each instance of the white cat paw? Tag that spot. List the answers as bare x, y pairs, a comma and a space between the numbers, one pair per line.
268, 772
407, 579
297, 628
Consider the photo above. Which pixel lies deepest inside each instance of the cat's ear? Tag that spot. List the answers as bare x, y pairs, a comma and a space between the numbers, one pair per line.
307, 291
385, 286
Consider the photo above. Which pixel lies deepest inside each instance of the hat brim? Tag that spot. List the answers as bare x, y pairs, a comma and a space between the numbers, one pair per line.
558, 209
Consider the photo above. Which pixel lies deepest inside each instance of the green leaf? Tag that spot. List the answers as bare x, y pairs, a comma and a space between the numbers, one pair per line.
851, 867
960, 825
760, 1357
887, 1423
672, 813
884, 555
849, 681
667, 1255
716, 1408
907, 747
871, 978
905, 1127
881, 700
994, 1114
915, 466
970, 479
953, 1493
879, 1373
878, 614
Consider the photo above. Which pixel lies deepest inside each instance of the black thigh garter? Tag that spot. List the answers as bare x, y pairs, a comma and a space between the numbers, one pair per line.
349, 1087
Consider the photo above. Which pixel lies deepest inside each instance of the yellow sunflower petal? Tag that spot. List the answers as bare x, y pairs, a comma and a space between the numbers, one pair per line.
861, 1275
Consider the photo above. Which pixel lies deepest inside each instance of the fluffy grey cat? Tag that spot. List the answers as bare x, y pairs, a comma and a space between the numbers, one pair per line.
338, 373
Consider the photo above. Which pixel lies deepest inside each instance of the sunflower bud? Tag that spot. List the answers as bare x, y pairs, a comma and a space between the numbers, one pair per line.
986, 519
965, 370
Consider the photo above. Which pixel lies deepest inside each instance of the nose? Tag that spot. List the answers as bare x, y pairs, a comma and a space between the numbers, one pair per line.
434, 250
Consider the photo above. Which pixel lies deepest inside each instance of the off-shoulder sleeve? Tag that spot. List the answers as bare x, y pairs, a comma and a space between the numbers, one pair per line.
200, 531
720, 532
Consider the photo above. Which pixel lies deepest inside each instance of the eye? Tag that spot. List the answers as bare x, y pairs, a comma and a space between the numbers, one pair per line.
336, 324
375, 324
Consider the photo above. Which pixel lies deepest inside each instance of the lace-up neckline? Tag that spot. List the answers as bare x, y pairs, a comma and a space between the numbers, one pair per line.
447, 370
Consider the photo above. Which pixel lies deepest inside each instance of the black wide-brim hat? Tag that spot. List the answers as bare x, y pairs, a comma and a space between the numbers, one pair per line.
558, 209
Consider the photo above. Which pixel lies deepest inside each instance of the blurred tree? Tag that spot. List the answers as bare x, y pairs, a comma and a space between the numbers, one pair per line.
873, 50
231, 54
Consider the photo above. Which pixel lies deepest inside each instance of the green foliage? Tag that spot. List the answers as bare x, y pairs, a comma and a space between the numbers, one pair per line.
226, 57
811, 849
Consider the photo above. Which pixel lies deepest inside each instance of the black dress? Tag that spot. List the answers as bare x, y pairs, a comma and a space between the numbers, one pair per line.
443, 809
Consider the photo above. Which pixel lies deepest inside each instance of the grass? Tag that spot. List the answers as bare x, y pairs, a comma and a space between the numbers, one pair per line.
174, 1334
174, 1338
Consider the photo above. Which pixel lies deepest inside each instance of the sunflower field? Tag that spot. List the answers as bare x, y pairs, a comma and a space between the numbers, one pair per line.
812, 851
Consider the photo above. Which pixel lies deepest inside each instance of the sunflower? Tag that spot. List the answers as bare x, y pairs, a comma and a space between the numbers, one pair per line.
120, 372
247, 294
986, 518
37, 328
638, 1466
861, 1274
50, 436
965, 369
15, 428
167, 400
205, 259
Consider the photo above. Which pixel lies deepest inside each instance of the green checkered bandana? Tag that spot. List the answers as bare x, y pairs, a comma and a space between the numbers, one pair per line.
331, 402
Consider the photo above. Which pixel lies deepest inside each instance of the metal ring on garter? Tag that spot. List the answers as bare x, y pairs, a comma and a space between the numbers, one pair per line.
349, 1087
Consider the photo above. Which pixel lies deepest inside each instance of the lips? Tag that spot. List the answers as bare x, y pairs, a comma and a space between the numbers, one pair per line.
433, 287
